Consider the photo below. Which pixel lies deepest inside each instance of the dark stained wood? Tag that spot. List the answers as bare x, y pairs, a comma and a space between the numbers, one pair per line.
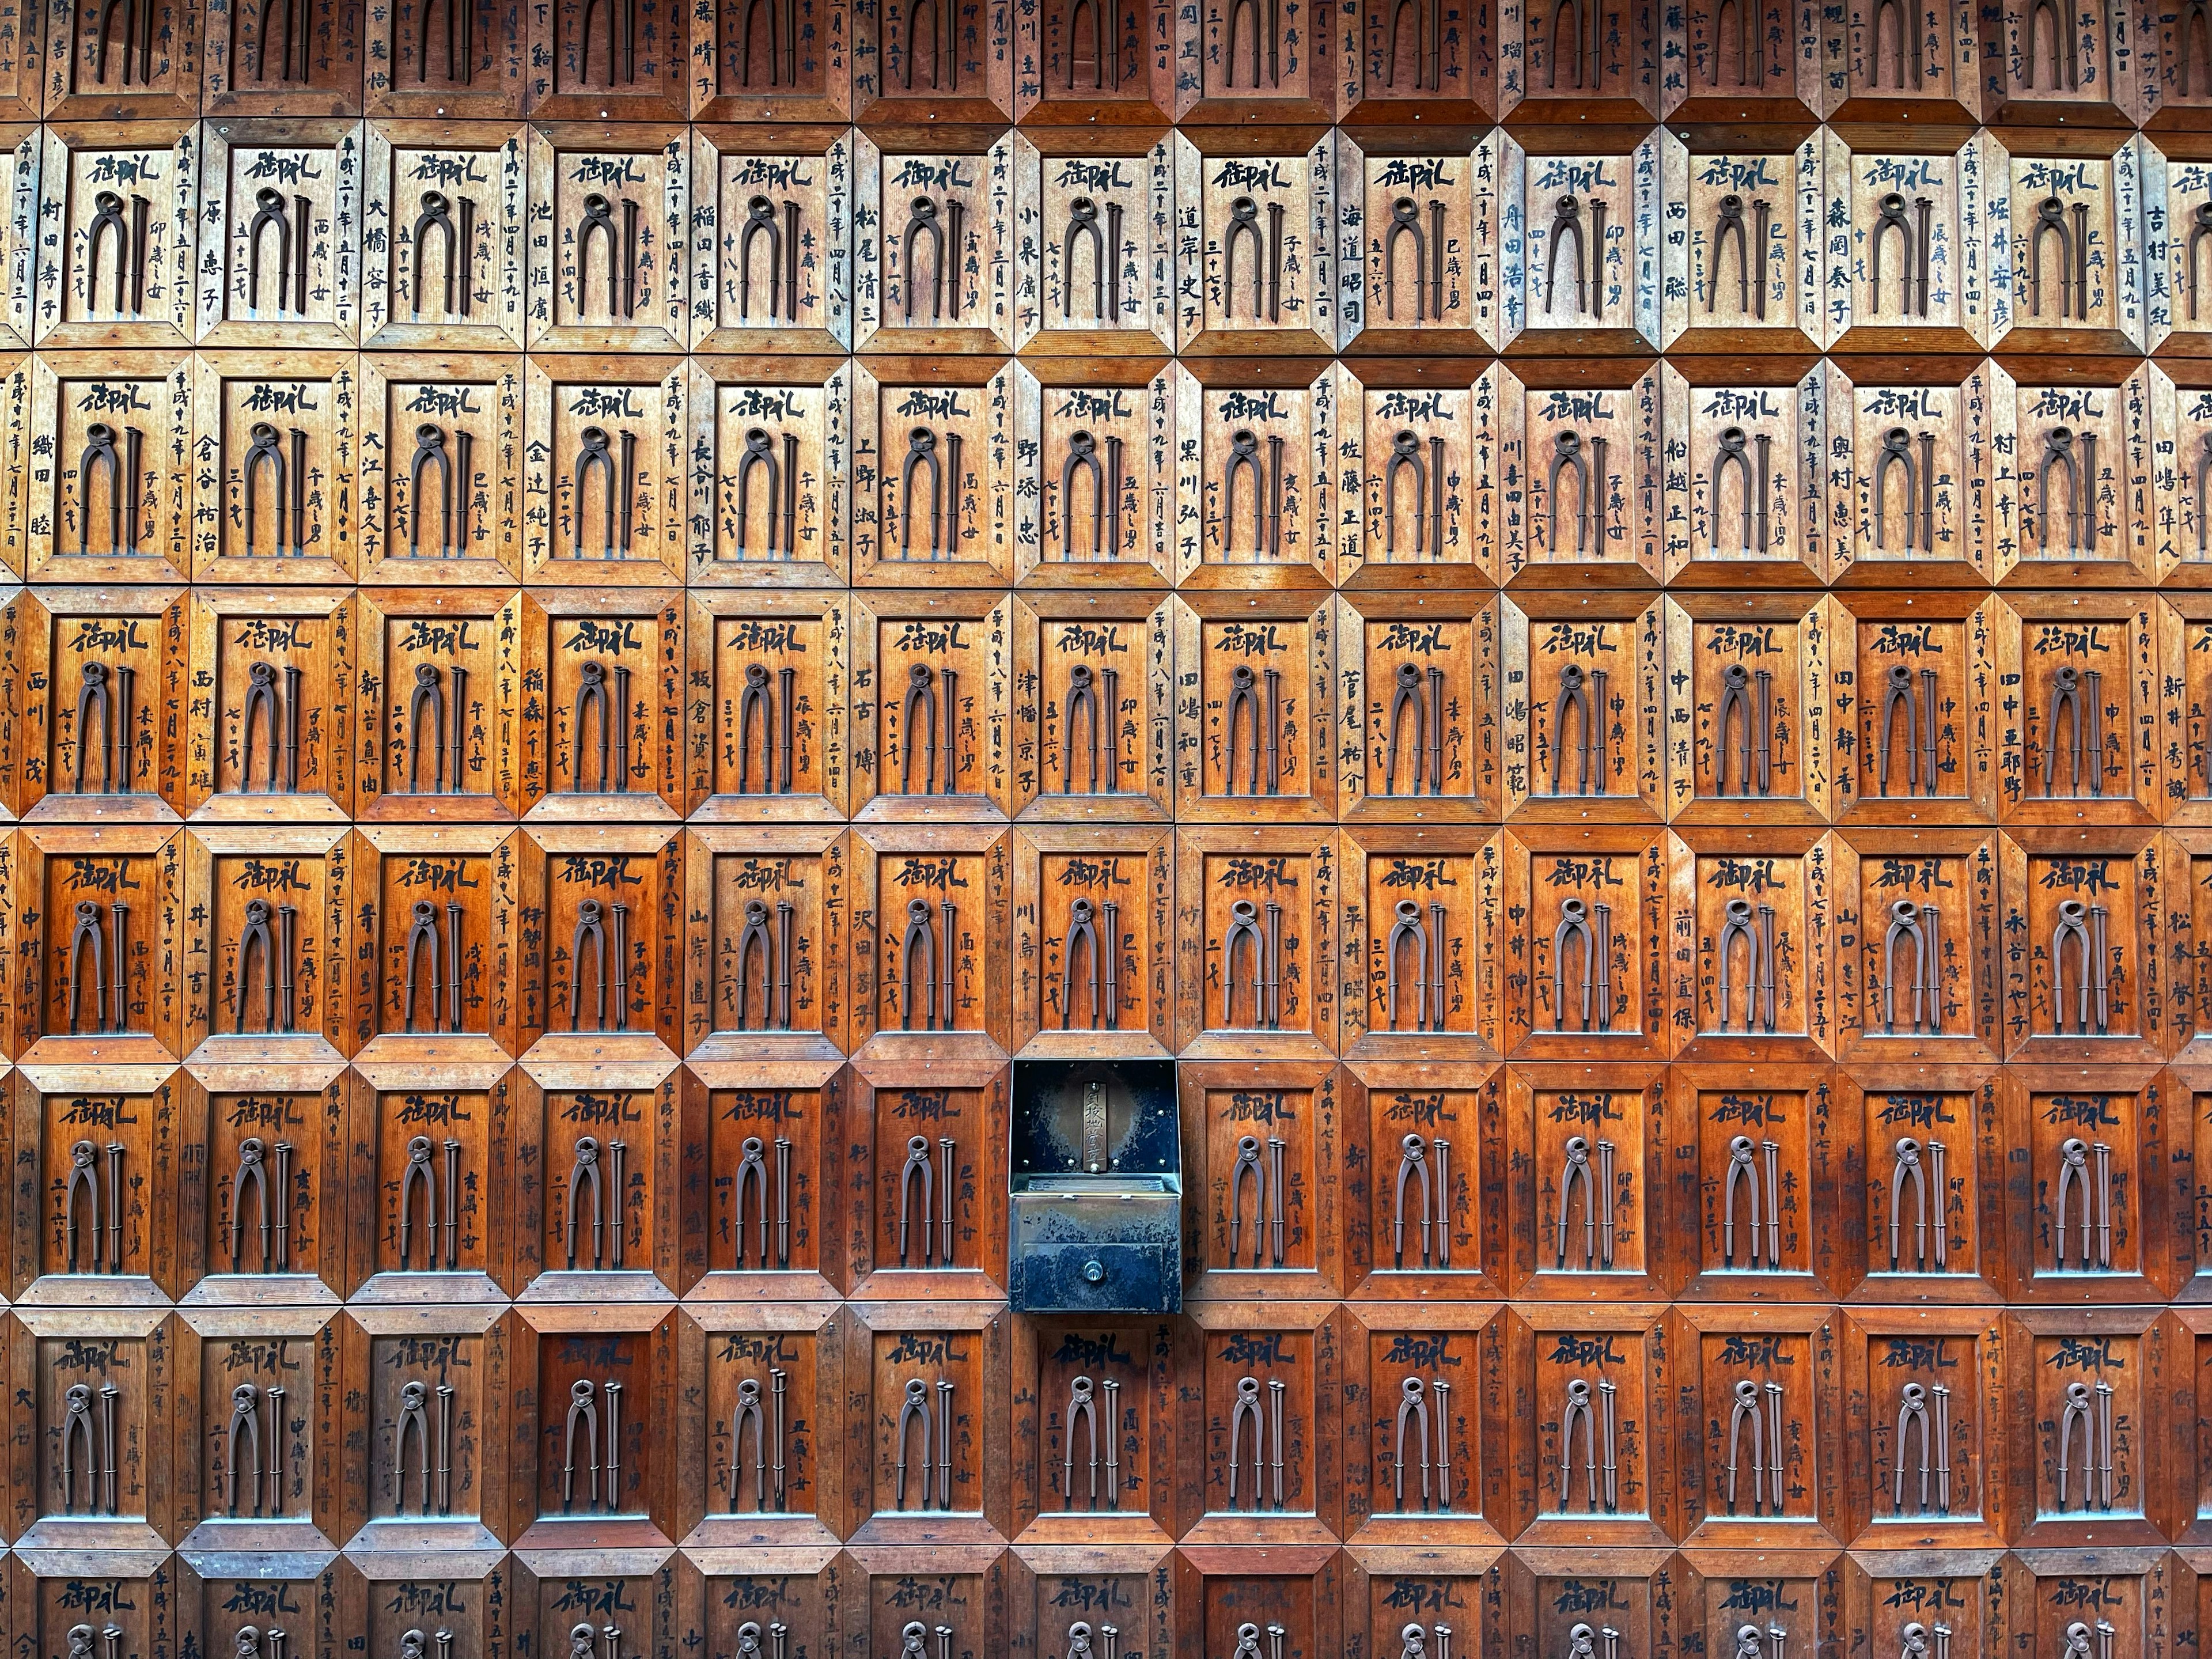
1057, 1523
1383, 1103
1717, 1350
403, 78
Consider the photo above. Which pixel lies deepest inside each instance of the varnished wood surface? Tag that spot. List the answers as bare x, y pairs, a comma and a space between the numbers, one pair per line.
680, 589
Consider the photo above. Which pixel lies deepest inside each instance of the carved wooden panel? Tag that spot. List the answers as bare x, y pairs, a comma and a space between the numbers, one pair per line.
16, 447
433, 905
1916, 974
1095, 712
1223, 1599
2090, 437
1759, 1166
1419, 935
1919, 1460
103, 1137
1583, 269
932, 902
1126, 1438
113, 501
440, 57
1746, 234
269, 725
429, 1182
1747, 727
1255, 245
449, 515
2094, 202
279, 214
109, 1378
930, 697
2087, 1139
1420, 680
606, 240
772, 1380
931, 447
775, 668
1426, 1459
1749, 914
1594, 1379
2086, 653
273, 499
775, 508
1255, 708
1907, 232
1733, 1595
1580, 967
602, 669
915, 1367
1920, 504
936, 274
83, 743
796, 63
2075, 887
604, 440
1580, 468
105, 64
263, 1187
1928, 1212
442, 219
2047, 1603
1449, 70
1102, 221
1420, 459
427, 1391
1387, 1107
1752, 1376
1097, 500
117, 232
97, 920
776, 229
220, 1607
1588, 1149
1744, 478
305, 61
587, 61
1277, 1144
908, 61
1083, 65
438, 667
1907, 664
924, 1162
1279, 72
1093, 917
1261, 1390
250, 1419
1429, 223
1583, 700
598, 941
769, 964
2087, 1379
1899, 63
597, 1470
778, 1212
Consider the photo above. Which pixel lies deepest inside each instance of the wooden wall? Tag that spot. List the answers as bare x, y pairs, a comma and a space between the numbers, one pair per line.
1597, 614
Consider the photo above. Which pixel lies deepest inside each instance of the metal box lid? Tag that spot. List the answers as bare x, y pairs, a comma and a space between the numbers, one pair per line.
1090, 1119
1096, 1188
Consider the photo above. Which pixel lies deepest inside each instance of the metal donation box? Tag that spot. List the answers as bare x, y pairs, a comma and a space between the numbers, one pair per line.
1097, 1188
